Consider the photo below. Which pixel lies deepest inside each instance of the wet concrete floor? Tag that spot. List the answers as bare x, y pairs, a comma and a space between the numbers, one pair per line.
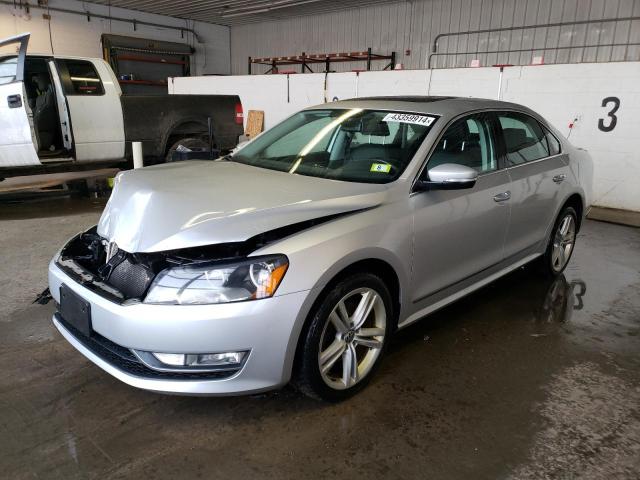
527, 378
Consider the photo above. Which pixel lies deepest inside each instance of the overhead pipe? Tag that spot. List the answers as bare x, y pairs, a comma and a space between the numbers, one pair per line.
88, 14
171, 7
137, 3
212, 4
527, 27
264, 7
204, 10
227, 9
531, 50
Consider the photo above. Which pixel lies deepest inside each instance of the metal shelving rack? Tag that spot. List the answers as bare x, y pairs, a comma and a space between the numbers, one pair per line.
327, 59
143, 65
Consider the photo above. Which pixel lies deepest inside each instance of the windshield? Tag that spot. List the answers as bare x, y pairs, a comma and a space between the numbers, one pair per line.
354, 145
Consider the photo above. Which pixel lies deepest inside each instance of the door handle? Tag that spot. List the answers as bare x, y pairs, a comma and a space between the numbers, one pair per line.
14, 101
502, 197
559, 178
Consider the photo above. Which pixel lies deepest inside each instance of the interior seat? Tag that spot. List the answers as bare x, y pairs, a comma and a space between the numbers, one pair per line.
515, 139
45, 114
375, 151
460, 147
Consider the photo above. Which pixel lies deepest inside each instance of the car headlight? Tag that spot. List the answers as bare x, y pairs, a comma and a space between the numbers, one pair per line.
249, 279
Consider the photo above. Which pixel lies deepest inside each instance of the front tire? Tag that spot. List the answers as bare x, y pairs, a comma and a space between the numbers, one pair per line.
345, 339
561, 244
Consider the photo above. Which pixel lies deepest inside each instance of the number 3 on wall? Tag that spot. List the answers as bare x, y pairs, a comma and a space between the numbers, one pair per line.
612, 114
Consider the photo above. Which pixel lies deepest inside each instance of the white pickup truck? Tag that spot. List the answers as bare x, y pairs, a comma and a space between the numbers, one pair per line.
68, 113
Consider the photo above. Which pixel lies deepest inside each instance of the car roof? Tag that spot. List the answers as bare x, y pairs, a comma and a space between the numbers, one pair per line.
436, 105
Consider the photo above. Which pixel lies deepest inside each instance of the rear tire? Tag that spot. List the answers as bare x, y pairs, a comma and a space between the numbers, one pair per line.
561, 244
344, 340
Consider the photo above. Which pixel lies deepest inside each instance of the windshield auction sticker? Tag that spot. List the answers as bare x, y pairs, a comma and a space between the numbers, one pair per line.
380, 167
425, 120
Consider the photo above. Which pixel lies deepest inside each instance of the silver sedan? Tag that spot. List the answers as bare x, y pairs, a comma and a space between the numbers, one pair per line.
297, 257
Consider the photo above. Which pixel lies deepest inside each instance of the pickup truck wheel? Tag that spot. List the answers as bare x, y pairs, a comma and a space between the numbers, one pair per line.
192, 143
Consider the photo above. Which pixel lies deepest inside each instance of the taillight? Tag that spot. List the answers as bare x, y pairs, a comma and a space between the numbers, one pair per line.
239, 114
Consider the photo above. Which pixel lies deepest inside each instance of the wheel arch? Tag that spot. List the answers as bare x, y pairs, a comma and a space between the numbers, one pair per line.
378, 267
184, 127
576, 201
377, 264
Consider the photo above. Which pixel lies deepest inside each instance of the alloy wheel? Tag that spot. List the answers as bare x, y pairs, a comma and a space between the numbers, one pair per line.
352, 338
563, 242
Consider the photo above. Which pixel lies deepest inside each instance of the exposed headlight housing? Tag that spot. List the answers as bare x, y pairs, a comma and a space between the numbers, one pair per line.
250, 279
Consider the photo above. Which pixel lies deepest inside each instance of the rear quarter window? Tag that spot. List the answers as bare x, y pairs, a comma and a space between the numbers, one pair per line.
554, 144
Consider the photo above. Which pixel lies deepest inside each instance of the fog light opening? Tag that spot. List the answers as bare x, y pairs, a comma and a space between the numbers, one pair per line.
173, 359
190, 360
227, 358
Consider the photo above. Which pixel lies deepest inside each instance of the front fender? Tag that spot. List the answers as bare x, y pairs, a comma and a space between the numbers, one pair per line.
319, 254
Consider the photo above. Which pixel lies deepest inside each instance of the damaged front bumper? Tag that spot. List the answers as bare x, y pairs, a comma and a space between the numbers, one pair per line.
265, 328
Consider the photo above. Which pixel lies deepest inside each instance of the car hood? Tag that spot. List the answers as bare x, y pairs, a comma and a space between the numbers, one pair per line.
189, 204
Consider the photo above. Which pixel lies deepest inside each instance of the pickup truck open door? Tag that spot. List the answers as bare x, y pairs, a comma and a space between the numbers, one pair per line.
92, 94
17, 145
63, 107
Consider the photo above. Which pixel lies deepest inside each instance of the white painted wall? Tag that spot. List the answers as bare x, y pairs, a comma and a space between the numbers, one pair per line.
558, 92
74, 35
561, 93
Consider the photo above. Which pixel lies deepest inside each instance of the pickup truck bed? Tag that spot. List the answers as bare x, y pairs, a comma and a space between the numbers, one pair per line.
156, 120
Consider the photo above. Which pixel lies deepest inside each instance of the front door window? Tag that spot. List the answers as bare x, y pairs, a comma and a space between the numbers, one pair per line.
468, 142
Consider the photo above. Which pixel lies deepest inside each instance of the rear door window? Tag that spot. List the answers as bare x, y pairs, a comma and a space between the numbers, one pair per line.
524, 138
80, 78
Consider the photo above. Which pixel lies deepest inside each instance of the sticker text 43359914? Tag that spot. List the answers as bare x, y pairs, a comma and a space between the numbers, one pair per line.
414, 118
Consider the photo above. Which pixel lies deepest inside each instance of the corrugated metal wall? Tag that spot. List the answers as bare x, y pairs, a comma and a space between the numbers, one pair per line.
402, 26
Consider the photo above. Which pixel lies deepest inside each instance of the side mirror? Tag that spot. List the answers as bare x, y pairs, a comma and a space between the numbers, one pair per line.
448, 176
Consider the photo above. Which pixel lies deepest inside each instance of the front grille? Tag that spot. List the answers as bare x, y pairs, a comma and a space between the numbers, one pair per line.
132, 279
123, 359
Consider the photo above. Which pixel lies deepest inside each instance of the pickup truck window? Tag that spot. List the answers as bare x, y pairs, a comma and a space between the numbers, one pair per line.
82, 78
8, 69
